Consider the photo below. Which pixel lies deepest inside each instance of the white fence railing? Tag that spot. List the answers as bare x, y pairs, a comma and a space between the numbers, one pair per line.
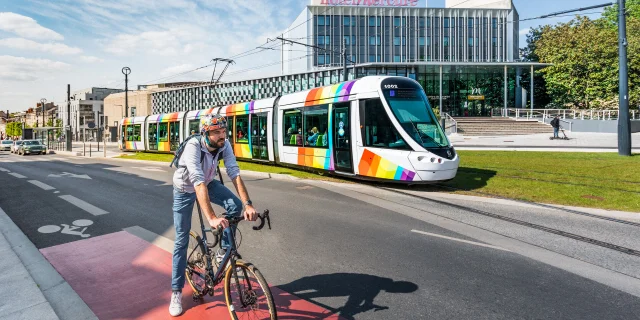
538, 114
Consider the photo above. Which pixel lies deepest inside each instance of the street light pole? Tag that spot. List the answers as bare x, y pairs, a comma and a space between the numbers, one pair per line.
68, 131
624, 132
43, 101
126, 71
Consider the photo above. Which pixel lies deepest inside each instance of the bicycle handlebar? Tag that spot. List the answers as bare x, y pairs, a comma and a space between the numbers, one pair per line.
264, 216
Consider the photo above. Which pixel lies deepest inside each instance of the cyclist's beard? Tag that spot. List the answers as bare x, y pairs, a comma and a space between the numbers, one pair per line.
214, 145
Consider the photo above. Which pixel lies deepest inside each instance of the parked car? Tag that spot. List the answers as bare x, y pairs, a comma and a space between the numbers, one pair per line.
15, 145
32, 147
5, 145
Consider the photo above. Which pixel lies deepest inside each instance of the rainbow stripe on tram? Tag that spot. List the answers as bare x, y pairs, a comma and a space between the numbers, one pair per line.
240, 108
335, 93
373, 165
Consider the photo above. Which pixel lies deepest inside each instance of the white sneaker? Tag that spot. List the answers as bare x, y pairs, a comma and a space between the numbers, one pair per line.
175, 307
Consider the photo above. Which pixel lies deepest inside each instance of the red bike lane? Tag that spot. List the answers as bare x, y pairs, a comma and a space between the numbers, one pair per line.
121, 276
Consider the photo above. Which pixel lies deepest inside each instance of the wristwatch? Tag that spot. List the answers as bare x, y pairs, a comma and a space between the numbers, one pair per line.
247, 203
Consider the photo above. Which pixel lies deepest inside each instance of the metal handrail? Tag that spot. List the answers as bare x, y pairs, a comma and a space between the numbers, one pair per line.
590, 114
454, 124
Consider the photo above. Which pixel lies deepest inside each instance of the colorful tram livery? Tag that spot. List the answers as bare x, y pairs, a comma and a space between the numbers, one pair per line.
373, 128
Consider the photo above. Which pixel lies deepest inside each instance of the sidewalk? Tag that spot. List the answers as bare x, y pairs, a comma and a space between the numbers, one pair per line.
578, 142
31, 288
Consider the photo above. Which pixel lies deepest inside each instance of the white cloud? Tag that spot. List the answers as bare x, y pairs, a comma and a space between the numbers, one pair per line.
26, 44
91, 59
26, 27
177, 69
25, 69
524, 32
165, 43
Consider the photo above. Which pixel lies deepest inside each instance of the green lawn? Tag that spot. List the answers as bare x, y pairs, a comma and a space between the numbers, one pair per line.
598, 180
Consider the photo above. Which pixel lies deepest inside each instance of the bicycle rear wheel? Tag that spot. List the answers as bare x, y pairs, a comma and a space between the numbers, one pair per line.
196, 265
248, 296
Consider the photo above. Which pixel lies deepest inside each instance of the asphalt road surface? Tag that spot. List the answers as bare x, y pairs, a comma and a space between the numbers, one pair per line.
357, 251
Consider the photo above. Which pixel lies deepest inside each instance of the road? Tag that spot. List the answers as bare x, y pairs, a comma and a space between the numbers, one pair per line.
353, 250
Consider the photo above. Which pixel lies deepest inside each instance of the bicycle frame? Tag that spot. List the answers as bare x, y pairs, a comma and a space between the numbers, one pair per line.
217, 275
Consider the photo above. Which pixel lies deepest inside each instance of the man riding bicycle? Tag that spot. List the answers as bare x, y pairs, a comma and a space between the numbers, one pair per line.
194, 180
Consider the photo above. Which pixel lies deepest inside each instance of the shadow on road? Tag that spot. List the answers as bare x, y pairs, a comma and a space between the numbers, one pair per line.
360, 290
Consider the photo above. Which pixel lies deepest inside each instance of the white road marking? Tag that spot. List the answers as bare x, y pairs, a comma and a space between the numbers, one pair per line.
17, 175
67, 174
84, 205
41, 185
159, 241
56, 192
459, 240
4, 170
154, 169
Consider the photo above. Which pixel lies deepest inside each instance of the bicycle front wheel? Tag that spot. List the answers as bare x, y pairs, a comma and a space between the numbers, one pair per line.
247, 294
196, 265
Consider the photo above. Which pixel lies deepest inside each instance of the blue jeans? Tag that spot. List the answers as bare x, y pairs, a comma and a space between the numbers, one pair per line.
182, 209
555, 132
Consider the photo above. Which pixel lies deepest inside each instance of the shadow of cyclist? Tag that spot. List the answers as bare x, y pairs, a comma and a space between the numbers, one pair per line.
360, 290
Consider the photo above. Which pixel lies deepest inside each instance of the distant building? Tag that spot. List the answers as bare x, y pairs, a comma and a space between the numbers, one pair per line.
87, 106
139, 105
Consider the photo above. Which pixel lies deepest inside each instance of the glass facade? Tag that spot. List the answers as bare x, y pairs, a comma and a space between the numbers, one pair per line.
413, 35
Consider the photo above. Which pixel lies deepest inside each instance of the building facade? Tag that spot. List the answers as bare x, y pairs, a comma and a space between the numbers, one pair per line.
87, 106
465, 55
394, 34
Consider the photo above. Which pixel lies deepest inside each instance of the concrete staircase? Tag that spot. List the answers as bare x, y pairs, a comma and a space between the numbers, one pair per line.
499, 126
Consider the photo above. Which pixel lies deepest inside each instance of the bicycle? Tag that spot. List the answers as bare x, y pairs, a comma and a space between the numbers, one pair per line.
203, 280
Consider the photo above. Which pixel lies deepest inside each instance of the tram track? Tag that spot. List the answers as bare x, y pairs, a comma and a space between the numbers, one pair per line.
608, 245
595, 216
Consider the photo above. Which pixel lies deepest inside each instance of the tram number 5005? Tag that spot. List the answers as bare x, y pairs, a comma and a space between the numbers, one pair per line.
391, 86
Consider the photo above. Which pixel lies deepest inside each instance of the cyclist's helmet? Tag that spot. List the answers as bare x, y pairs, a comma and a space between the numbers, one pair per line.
212, 122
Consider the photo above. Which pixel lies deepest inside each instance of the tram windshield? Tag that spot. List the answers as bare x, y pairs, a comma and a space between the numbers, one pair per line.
411, 108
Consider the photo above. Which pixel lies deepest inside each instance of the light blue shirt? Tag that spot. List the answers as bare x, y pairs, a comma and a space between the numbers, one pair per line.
196, 173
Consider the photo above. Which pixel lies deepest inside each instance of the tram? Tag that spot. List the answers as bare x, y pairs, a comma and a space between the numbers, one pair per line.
373, 128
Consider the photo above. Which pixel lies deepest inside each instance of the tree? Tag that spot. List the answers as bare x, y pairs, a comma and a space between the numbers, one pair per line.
610, 14
584, 54
528, 53
14, 129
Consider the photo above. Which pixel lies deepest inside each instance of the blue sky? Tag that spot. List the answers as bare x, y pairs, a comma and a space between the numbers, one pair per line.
45, 44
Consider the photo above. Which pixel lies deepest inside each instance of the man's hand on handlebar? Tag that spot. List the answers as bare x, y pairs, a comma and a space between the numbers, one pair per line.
216, 223
250, 213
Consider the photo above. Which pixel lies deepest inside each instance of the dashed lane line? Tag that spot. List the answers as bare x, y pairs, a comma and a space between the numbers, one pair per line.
459, 240
17, 175
159, 241
42, 185
83, 205
4, 170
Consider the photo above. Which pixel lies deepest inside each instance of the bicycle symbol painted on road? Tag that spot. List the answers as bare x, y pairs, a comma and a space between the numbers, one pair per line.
69, 229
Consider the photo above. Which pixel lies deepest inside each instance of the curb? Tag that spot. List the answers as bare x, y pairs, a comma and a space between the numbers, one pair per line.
62, 300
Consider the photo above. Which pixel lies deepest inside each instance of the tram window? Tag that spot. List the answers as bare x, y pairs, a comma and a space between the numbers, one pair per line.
128, 133
194, 126
153, 136
292, 130
316, 124
174, 135
377, 129
242, 129
162, 132
136, 133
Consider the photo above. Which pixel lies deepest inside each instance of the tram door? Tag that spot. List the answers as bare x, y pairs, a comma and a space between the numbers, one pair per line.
259, 136
342, 138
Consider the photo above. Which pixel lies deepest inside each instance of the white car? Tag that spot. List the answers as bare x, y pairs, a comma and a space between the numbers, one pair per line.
15, 145
5, 145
